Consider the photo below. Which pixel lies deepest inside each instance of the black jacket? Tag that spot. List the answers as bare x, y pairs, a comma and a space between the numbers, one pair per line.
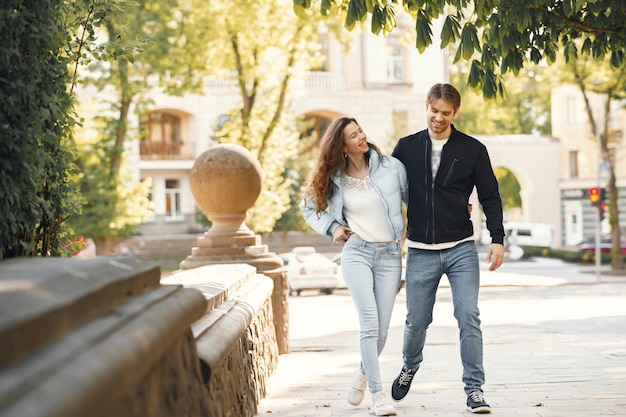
437, 212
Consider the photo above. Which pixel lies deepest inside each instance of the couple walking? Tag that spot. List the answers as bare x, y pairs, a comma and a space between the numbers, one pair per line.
355, 196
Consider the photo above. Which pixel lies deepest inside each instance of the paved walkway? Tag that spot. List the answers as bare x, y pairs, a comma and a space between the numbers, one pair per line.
553, 347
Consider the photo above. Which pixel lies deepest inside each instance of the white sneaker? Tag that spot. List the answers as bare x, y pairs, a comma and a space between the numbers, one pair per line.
357, 390
381, 405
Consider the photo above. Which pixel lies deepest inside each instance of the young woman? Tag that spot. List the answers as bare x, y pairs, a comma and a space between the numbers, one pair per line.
355, 196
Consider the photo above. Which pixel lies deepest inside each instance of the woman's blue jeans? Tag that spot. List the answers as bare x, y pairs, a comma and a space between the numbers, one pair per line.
372, 273
424, 269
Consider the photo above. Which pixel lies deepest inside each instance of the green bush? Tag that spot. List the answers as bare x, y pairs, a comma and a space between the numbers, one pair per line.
565, 255
35, 122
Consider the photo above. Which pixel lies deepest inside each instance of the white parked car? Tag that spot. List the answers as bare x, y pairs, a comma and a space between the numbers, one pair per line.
309, 270
337, 260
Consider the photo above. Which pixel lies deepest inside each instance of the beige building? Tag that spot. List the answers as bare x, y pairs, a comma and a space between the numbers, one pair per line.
581, 168
380, 81
383, 83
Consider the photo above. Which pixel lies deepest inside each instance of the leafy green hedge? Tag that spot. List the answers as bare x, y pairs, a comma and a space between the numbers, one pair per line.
565, 255
35, 121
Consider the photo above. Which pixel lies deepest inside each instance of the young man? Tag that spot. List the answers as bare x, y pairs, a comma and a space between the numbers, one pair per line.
443, 167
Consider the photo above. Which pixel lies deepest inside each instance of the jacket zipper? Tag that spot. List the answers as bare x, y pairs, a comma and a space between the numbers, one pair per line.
428, 175
432, 206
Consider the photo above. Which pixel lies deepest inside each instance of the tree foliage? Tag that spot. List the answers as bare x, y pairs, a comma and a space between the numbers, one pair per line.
509, 188
130, 48
498, 36
267, 52
297, 171
35, 123
525, 109
112, 204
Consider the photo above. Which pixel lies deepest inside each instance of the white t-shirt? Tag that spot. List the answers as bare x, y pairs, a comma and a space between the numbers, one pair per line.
364, 211
435, 155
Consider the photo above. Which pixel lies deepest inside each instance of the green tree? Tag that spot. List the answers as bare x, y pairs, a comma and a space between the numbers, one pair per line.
509, 188
498, 36
148, 44
525, 108
112, 204
36, 117
297, 171
268, 53
593, 77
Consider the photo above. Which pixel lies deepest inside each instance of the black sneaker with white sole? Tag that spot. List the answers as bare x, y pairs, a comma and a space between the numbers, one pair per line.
402, 383
476, 403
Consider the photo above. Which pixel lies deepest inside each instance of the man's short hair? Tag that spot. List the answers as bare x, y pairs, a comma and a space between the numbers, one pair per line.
446, 92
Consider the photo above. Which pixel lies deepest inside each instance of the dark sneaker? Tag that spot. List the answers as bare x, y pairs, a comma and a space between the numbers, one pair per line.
402, 383
476, 403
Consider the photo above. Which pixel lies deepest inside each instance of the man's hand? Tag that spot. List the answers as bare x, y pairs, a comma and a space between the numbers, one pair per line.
495, 256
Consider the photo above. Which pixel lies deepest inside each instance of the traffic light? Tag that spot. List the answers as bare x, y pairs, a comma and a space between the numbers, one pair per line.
594, 196
602, 204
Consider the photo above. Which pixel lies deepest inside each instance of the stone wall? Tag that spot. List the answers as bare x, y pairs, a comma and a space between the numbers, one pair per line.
105, 337
236, 339
154, 246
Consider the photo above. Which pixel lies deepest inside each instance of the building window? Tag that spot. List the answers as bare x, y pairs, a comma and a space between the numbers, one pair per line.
160, 136
395, 65
161, 127
572, 110
573, 223
222, 119
172, 199
573, 164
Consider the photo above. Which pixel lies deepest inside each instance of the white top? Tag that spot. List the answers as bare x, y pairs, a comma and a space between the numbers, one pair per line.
364, 210
435, 154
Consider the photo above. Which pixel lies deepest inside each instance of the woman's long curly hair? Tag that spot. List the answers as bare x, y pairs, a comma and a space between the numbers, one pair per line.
331, 157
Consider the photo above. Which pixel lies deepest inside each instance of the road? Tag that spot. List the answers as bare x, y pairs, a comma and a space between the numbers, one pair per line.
555, 345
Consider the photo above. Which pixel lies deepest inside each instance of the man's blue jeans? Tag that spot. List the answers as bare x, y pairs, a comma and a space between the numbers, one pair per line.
372, 273
424, 269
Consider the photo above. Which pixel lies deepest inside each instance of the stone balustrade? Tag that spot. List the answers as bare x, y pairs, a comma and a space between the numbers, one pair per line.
235, 339
107, 337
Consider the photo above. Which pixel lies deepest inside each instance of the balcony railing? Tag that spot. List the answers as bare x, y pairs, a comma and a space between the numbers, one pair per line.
154, 151
324, 81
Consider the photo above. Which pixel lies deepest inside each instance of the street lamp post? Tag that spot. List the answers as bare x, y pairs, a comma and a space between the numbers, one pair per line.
598, 176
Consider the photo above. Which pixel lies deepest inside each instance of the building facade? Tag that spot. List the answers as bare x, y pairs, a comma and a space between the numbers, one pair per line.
382, 82
582, 165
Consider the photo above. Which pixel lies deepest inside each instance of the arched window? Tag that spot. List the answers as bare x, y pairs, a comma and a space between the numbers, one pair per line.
161, 127
160, 136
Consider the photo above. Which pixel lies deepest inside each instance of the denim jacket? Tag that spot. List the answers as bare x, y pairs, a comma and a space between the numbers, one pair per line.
388, 176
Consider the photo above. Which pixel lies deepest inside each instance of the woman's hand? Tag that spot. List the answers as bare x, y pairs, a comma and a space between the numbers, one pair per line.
342, 234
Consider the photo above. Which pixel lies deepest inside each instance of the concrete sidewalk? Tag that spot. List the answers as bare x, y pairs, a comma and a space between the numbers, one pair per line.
553, 347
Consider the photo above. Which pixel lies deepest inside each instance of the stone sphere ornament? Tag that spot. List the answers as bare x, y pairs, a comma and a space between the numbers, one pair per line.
225, 182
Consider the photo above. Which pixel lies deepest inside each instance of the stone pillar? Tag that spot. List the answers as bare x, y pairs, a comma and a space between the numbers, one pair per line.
225, 182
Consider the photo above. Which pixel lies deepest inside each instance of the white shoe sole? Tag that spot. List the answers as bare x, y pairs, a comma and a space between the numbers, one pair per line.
479, 410
383, 411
